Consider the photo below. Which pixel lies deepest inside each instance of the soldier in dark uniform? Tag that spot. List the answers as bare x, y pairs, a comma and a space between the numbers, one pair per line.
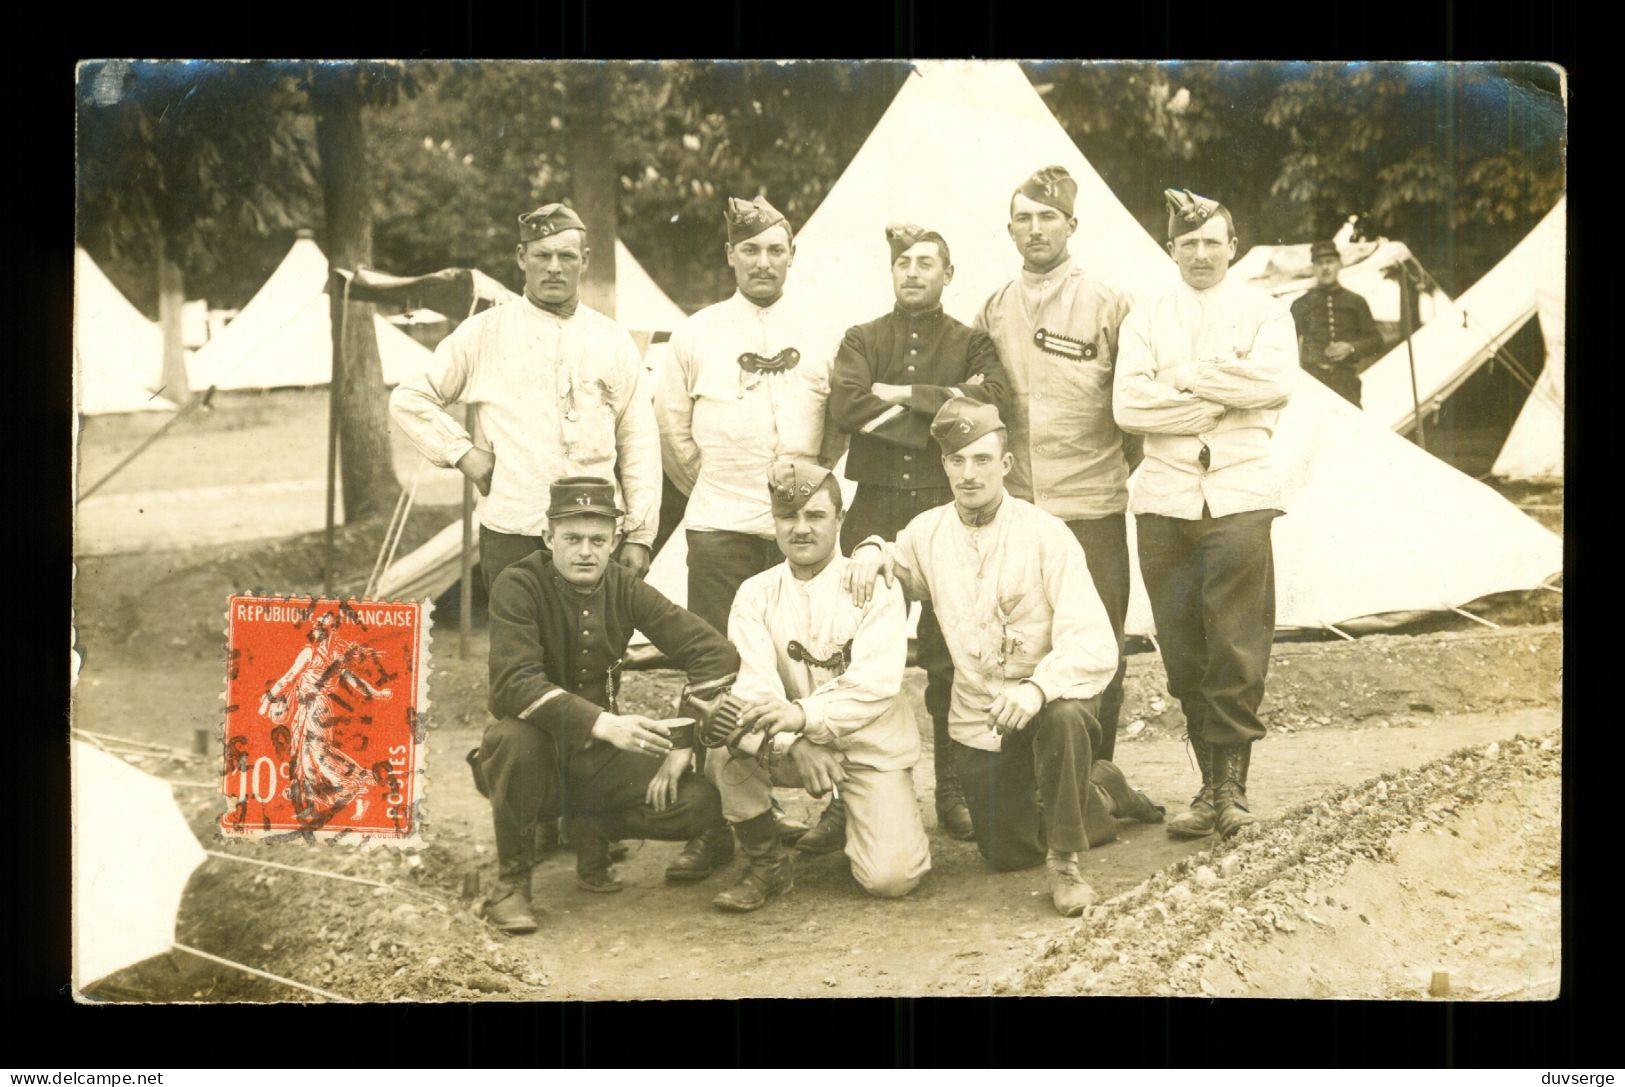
560, 623
1336, 335
891, 376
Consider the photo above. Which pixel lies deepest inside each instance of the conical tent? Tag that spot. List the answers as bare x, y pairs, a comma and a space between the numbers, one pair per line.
1375, 524
284, 338
118, 352
1469, 331
640, 304
1534, 448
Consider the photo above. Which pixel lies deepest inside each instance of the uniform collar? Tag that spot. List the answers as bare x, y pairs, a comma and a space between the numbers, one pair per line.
1218, 290
983, 516
925, 316
566, 587
831, 572
1038, 279
746, 305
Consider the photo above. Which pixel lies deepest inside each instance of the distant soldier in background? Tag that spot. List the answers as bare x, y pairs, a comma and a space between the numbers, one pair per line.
1336, 335
557, 388
891, 376
1204, 373
1056, 331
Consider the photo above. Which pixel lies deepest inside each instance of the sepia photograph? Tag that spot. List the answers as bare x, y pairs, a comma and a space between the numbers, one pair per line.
588, 531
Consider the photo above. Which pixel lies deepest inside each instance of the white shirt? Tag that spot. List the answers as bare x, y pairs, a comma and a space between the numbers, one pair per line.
1232, 348
556, 397
1015, 601
722, 427
859, 708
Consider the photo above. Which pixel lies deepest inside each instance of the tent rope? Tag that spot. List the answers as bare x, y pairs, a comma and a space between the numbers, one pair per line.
338, 997
1498, 350
323, 873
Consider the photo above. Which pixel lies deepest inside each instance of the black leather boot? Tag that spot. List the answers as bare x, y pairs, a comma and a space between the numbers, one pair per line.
770, 872
1230, 798
1131, 803
830, 833
953, 815
508, 906
702, 856
1202, 817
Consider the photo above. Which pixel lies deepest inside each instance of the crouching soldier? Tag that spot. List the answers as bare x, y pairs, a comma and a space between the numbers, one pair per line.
820, 699
560, 623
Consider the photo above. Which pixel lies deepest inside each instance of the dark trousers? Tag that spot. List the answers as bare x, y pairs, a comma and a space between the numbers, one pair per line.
1211, 583
1344, 380
603, 798
1034, 794
500, 550
1105, 546
720, 562
884, 511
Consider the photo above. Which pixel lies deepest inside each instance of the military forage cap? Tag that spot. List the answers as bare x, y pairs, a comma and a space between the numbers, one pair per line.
792, 482
748, 218
961, 421
903, 236
574, 495
547, 220
1187, 211
1323, 249
1051, 185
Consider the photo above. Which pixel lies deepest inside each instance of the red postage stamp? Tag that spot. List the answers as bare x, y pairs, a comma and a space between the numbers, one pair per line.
324, 717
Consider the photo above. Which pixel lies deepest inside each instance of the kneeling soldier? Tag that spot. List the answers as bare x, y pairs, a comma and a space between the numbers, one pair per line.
1032, 649
560, 624
822, 680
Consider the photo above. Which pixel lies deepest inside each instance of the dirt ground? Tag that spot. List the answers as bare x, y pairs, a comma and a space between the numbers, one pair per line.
1391, 844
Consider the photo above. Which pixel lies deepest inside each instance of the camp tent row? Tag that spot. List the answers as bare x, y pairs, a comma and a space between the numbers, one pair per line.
1527, 284
1375, 524
282, 338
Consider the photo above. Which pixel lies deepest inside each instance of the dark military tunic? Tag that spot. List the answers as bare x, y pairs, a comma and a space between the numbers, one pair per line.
1326, 314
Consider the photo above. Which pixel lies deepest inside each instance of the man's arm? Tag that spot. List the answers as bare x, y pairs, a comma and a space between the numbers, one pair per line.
1262, 378
852, 402
418, 404
1083, 650
520, 684
674, 413
1143, 405
833, 440
1367, 340
759, 678
683, 637
637, 448
984, 380
872, 679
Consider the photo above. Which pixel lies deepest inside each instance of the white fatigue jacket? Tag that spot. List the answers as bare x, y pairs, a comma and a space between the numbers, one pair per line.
722, 427
556, 397
1067, 447
1235, 350
1015, 601
854, 697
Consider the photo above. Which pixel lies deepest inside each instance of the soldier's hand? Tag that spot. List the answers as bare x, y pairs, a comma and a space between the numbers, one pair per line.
774, 717
632, 732
866, 563
820, 768
478, 465
635, 557
1014, 707
1338, 350
662, 792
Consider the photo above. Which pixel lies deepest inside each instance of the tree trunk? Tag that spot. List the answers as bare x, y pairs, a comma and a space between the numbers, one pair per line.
365, 457
171, 297
593, 184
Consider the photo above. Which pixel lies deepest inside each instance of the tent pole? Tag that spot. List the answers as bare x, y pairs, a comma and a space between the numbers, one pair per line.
465, 583
1407, 309
1476, 618
339, 998
333, 435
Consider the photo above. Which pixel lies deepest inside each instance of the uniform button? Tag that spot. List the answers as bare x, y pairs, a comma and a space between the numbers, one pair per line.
914, 335
908, 456
905, 475
1038, 396
913, 351
586, 614
586, 633
911, 369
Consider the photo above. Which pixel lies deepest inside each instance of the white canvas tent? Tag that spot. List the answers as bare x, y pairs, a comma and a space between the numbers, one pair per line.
119, 354
1376, 525
640, 304
1471, 330
283, 337
1534, 448
1286, 272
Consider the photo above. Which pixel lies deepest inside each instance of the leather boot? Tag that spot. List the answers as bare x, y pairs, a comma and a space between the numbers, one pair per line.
508, 906
702, 856
953, 815
1131, 803
830, 833
769, 873
1202, 817
1067, 887
593, 871
1230, 796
